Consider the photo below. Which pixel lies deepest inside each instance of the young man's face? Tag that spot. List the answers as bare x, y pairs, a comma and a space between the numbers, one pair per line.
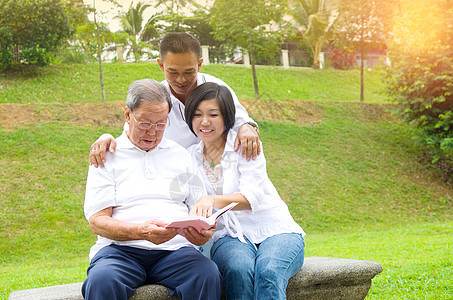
181, 71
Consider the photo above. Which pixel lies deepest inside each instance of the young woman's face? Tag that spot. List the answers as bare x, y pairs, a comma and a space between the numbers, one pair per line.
208, 122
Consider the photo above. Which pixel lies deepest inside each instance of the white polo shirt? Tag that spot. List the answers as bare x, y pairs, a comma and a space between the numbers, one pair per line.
179, 131
161, 183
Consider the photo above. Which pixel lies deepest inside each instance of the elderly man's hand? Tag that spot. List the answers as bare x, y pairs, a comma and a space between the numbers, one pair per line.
99, 148
199, 238
154, 231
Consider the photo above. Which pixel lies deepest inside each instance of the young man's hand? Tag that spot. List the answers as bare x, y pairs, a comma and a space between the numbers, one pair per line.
99, 149
249, 140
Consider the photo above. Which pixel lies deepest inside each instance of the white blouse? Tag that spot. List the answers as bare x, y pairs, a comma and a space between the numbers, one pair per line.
269, 214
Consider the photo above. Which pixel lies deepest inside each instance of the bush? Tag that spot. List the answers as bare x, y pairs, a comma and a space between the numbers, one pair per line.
342, 58
36, 27
422, 86
6, 49
73, 56
420, 79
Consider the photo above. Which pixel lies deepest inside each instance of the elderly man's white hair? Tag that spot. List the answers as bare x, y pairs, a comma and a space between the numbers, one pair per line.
146, 90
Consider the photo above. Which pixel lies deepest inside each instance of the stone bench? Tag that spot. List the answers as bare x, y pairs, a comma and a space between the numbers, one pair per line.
320, 278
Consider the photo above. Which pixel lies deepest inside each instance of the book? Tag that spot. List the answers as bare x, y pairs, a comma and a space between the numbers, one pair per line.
200, 222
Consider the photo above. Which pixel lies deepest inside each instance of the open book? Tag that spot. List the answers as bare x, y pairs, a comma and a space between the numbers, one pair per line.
199, 222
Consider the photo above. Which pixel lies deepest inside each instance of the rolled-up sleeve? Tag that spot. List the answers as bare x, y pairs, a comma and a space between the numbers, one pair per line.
252, 181
100, 191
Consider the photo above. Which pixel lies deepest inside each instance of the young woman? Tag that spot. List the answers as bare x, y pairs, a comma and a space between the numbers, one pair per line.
258, 247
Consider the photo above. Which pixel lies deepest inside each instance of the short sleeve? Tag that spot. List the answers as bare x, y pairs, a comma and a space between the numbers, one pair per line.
100, 191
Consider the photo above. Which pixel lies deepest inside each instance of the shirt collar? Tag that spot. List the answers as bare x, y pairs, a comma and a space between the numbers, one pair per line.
123, 142
231, 137
200, 80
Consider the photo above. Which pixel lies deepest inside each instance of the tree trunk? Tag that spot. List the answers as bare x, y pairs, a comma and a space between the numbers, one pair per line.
362, 53
101, 73
362, 97
255, 79
316, 51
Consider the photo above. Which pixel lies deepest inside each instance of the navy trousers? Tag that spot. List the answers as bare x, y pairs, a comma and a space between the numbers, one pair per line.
116, 271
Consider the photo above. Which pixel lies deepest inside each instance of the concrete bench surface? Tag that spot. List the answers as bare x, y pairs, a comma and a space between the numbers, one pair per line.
320, 278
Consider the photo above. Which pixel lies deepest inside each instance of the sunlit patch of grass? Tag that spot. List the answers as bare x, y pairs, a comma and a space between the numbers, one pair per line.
417, 259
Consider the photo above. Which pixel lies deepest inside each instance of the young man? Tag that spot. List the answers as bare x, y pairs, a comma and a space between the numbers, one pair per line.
180, 60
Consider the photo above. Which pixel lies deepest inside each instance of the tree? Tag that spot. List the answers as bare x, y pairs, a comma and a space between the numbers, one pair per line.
420, 80
151, 29
33, 28
85, 38
98, 36
197, 25
174, 5
173, 19
316, 18
77, 13
132, 23
247, 24
363, 24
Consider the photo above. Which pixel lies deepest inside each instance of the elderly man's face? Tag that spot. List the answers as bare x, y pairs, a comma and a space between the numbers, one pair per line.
147, 112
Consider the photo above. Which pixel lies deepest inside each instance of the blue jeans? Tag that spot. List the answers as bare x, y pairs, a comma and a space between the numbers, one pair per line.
116, 271
260, 272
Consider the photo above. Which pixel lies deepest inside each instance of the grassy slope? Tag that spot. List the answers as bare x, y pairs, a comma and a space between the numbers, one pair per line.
352, 159
353, 203
352, 181
80, 83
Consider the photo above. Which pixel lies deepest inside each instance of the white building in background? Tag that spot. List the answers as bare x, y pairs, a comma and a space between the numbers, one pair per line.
119, 53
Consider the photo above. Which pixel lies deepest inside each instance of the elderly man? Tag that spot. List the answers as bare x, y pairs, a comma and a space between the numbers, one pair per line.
180, 60
130, 200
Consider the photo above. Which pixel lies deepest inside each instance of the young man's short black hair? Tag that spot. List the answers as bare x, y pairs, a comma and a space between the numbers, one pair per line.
179, 42
211, 90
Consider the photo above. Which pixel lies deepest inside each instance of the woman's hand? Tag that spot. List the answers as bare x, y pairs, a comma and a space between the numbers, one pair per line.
99, 149
203, 207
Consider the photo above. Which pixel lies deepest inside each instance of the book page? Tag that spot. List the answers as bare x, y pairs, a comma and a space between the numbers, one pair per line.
200, 222
220, 212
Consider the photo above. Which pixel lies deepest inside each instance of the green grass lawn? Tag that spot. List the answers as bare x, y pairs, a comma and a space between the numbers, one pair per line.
353, 181
417, 258
68, 83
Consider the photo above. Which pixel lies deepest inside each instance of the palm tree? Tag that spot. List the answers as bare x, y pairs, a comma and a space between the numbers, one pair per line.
172, 11
150, 30
132, 23
174, 5
316, 18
